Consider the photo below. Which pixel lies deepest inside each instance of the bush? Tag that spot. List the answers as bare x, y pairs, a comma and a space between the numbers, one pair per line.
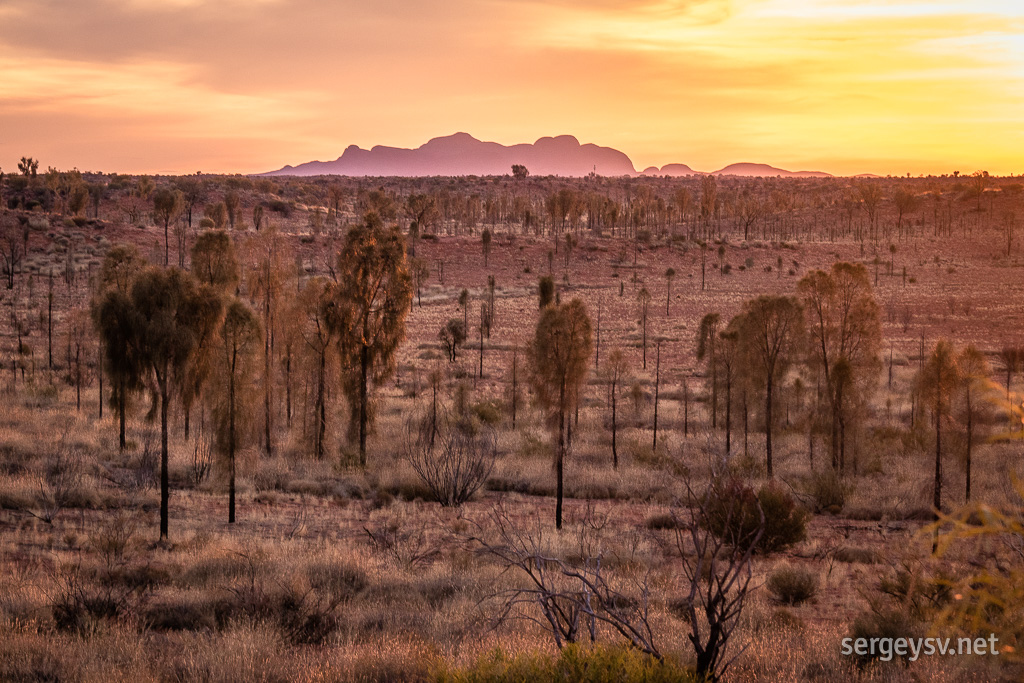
828, 491
792, 585
735, 512
887, 623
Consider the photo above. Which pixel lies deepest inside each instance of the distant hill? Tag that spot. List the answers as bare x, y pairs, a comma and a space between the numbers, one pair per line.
674, 170
749, 170
462, 154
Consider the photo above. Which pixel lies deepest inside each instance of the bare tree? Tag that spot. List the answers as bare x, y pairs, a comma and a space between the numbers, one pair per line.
236, 345
718, 569
935, 384
615, 375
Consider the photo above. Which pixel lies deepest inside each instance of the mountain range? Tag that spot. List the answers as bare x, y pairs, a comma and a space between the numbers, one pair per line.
462, 154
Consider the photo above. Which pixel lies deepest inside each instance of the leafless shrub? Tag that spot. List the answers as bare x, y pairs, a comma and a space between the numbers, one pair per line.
573, 597
404, 542
60, 483
452, 457
202, 460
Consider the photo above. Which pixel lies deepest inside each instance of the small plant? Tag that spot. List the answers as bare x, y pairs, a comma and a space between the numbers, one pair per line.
792, 585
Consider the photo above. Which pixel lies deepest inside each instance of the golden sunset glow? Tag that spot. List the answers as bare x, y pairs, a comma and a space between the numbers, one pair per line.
844, 86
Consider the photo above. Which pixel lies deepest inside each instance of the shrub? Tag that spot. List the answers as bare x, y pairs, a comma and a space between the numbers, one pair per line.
785, 522
662, 521
792, 585
452, 462
828, 491
885, 623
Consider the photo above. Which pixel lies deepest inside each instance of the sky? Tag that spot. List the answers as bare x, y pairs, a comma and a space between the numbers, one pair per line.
243, 86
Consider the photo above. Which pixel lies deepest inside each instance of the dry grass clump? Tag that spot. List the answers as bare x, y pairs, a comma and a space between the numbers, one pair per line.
792, 585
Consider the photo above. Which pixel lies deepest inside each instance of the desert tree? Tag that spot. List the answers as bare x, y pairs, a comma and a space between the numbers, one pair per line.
28, 167
514, 394
615, 375
708, 202
657, 390
373, 300
80, 345
485, 243
115, 321
232, 202
975, 373
707, 344
772, 336
491, 286
265, 279
12, 247
845, 331
218, 213
420, 270
730, 363
78, 199
464, 303
644, 299
452, 335
559, 354
236, 345
936, 384
257, 217
703, 263
481, 328
546, 291
318, 306
1013, 359
172, 312
193, 191
215, 265
870, 198
215, 262
906, 203
519, 172
167, 204
670, 274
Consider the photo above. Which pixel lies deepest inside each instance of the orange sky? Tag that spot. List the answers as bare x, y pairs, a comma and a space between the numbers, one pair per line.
845, 86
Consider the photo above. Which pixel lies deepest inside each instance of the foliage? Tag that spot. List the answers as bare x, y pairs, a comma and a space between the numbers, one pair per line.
736, 510
369, 314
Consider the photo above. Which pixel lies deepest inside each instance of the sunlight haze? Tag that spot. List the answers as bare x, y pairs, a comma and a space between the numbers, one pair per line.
176, 86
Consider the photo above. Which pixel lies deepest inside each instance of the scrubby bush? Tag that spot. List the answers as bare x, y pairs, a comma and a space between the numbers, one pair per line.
828, 491
785, 522
792, 585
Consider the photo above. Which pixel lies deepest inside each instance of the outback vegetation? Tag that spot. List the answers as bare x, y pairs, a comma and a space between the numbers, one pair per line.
443, 429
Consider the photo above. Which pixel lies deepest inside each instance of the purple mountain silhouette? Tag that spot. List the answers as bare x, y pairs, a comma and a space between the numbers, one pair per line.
462, 154
749, 170
674, 170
